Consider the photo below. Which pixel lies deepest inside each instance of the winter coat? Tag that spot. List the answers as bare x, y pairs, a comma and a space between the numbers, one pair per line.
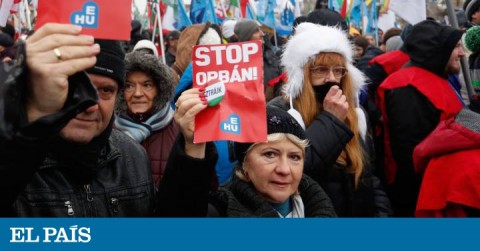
185, 191
328, 136
413, 100
38, 181
370, 53
450, 156
158, 147
157, 140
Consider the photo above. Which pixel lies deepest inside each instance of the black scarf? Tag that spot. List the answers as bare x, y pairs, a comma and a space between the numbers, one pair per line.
322, 90
81, 160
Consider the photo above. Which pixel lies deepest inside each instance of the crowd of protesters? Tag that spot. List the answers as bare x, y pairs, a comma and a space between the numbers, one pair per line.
356, 127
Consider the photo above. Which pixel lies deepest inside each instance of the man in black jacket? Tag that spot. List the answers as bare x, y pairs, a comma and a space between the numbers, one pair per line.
59, 154
413, 100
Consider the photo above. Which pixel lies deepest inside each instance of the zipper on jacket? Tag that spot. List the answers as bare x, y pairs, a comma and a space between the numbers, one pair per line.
114, 202
69, 206
89, 192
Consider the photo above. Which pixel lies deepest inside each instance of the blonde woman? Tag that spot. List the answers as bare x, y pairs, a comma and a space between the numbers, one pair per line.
269, 180
322, 90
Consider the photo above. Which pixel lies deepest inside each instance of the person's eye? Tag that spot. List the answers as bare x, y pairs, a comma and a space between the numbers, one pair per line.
322, 70
106, 92
337, 71
128, 86
148, 86
269, 154
295, 157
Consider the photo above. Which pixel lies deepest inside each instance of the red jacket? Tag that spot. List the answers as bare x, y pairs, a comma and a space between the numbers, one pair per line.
450, 160
391, 61
436, 89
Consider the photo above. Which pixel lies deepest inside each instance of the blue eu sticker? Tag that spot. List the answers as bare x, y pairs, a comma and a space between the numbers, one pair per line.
232, 125
87, 17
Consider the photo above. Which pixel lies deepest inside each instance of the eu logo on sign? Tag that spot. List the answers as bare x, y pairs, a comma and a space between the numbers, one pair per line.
87, 17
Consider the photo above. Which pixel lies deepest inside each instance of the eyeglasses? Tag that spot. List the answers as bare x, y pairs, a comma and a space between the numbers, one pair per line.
145, 87
323, 71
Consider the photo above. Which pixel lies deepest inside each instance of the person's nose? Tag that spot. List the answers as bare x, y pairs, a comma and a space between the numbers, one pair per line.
92, 108
330, 77
283, 166
138, 91
461, 52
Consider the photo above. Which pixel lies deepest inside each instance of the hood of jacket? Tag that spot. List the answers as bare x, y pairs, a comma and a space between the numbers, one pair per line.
159, 72
430, 45
453, 135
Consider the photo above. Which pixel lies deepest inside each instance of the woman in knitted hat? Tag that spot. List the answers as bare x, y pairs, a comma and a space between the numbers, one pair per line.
269, 181
323, 87
143, 108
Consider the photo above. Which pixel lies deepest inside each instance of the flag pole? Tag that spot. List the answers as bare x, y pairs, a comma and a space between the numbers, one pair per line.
275, 37
27, 14
452, 17
160, 33
155, 23
222, 4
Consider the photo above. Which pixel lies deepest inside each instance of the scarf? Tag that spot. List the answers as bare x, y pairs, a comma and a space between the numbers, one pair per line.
297, 208
139, 131
82, 161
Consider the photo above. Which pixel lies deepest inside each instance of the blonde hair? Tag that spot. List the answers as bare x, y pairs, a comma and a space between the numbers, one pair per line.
272, 138
309, 107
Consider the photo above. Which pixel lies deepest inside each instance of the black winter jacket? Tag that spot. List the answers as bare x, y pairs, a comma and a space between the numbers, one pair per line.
36, 182
328, 136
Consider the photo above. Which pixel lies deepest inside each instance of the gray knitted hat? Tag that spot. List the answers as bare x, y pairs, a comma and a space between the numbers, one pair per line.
244, 29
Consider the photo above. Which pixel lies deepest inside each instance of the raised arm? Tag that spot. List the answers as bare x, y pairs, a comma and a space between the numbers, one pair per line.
38, 97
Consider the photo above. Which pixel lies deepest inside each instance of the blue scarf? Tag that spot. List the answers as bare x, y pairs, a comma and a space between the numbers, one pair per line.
142, 130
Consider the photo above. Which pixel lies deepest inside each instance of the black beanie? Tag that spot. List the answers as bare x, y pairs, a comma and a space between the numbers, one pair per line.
278, 121
110, 61
5, 40
327, 17
471, 8
9, 29
244, 29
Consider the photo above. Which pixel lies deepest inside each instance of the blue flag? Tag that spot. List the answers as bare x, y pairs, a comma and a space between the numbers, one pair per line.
250, 13
285, 25
269, 19
181, 18
202, 11
356, 13
372, 19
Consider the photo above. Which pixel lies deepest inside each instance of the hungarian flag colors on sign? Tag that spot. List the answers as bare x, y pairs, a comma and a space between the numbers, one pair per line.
233, 77
103, 19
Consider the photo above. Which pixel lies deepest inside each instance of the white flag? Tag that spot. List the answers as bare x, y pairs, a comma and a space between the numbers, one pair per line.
5, 7
413, 11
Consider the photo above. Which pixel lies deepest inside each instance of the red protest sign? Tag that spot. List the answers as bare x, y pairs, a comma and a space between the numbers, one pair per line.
233, 76
103, 19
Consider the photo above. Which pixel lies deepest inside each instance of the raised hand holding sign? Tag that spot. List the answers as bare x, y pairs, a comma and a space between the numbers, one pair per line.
103, 19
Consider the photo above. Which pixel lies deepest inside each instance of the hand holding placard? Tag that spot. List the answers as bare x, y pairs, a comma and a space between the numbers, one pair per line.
187, 107
55, 52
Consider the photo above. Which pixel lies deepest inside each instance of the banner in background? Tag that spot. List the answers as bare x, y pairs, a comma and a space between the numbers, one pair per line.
233, 77
103, 19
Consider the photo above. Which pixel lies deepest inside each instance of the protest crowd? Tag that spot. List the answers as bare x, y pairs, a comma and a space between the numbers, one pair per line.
242, 115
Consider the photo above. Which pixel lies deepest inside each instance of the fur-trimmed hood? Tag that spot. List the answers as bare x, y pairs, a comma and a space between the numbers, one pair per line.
309, 40
159, 72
